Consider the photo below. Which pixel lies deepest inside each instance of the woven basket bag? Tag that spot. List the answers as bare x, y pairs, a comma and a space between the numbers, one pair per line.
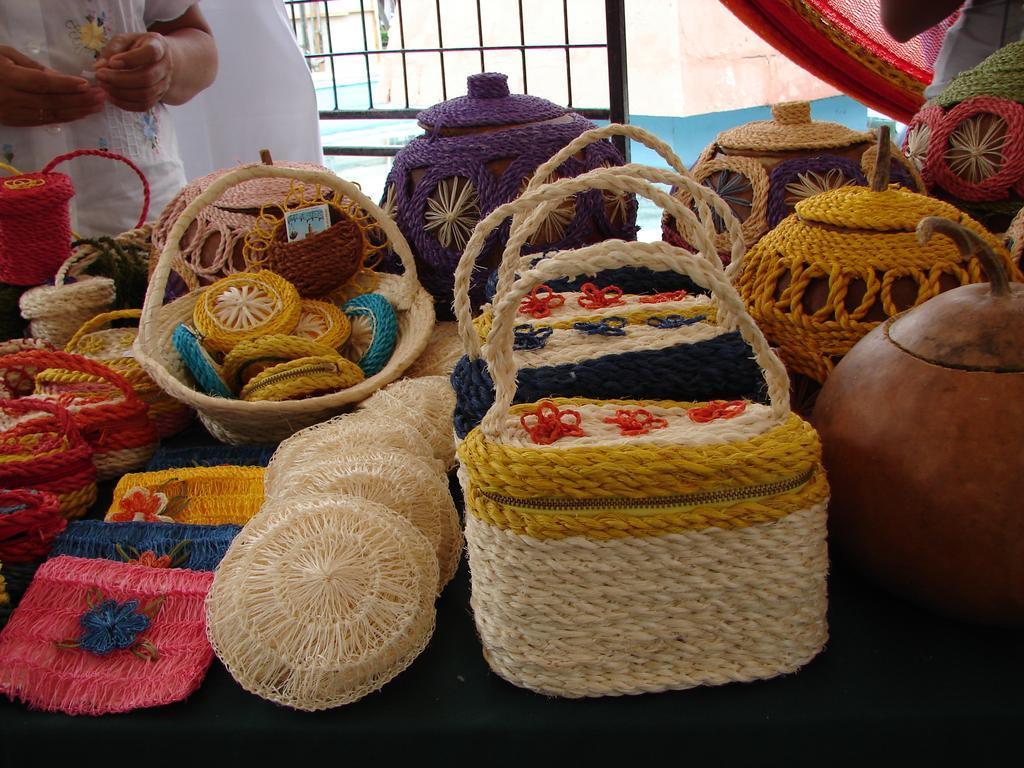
237, 421
42, 449
626, 546
113, 348
223, 495
600, 343
105, 408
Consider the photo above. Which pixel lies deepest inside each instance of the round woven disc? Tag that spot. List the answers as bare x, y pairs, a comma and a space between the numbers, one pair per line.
411, 486
344, 434
322, 600
244, 306
323, 323
426, 404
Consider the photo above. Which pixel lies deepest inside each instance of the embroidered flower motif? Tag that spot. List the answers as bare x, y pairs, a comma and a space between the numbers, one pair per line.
597, 298
528, 337
175, 558
540, 301
609, 326
716, 409
813, 183
453, 209
917, 144
91, 35
548, 423
150, 559
109, 626
675, 321
241, 307
636, 422
733, 188
141, 505
975, 149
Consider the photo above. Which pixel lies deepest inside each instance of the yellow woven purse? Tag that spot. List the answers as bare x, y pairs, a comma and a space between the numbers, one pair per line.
194, 495
621, 546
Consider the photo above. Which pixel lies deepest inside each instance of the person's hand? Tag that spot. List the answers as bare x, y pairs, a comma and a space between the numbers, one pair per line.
135, 70
31, 94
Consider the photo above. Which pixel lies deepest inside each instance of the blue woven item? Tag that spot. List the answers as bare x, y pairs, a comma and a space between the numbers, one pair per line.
98, 540
718, 368
211, 456
198, 361
384, 323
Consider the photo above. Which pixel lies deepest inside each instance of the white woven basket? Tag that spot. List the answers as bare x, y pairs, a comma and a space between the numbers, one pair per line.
238, 421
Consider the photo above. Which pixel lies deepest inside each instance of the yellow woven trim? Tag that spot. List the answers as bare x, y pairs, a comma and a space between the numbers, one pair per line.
305, 377
620, 525
631, 470
250, 358
806, 256
857, 52
324, 323
213, 495
638, 316
75, 504
245, 306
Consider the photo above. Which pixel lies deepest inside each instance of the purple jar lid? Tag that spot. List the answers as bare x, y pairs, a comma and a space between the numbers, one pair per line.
489, 103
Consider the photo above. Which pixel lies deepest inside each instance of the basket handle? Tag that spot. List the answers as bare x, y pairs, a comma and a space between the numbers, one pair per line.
613, 254
705, 198
67, 361
171, 252
111, 156
626, 178
97, 322
10, 169
637, 134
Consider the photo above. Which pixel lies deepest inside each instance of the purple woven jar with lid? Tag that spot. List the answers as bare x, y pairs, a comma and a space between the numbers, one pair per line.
478, 152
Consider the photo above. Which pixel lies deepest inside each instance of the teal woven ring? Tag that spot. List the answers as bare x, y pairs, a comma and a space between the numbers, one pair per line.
384, 324
198, 361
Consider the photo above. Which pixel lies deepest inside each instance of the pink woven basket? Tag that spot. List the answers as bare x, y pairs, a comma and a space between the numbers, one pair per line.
92, 637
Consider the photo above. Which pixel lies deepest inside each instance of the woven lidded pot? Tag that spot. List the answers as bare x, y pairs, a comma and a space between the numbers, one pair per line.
847, 260
764, 168
479, 151
969, 140
922, 425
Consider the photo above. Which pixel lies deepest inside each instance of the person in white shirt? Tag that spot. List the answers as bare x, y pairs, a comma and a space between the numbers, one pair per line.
261, 102
96, 74
983, 27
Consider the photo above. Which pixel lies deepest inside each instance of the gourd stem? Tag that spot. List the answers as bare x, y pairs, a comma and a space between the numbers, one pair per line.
969, 244
880, 178
265, 157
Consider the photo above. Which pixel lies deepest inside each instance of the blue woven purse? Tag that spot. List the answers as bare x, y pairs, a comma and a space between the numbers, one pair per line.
196, 547
211, 456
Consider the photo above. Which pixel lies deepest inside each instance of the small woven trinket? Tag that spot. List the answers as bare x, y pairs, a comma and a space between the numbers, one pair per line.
303, 377
103, 404
323, 323
374, 332
363, 590
93, 637
113, 347
245, 306
42, 449
195, 495
204, 369
252, 357
157, 544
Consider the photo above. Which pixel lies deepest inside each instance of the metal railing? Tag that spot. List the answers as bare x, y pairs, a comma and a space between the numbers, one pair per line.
614, 44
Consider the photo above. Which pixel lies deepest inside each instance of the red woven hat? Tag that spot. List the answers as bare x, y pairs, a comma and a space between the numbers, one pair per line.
92, 637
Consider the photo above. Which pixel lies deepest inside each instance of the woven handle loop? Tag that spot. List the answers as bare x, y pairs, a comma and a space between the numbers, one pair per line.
62, 416
41, 360
171, 253
705, 198
10, 169
649, 140
110, 156
613, 254
97, 322
627, 178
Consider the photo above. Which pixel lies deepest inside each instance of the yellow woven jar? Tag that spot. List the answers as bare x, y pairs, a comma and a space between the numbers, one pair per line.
847, 260
194, 495
245, 306
113, 348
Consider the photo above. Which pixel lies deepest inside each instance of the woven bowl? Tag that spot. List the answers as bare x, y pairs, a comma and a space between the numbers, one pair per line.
235, 421
320, 601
